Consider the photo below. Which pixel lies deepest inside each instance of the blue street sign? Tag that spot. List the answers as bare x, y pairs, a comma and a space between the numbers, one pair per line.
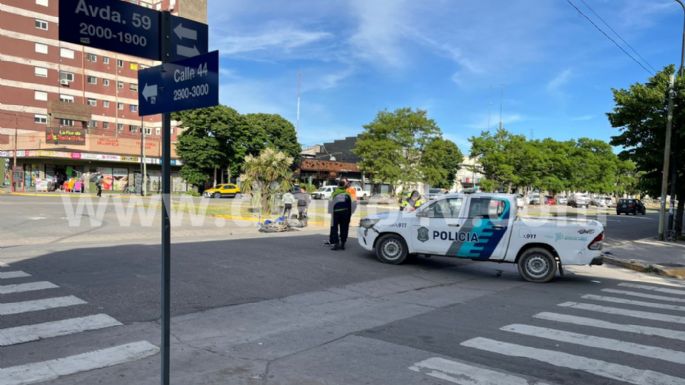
181, 85
116, 26
188, 38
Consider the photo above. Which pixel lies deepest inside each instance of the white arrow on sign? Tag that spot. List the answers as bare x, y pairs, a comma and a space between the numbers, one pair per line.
150, 91
182, 50
185, 33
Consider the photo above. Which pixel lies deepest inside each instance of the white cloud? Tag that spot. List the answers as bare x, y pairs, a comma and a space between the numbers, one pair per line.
279, 39
582, 118
481, 123
559, 81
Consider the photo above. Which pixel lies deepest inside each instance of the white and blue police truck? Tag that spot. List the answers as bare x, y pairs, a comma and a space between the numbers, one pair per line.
484, 227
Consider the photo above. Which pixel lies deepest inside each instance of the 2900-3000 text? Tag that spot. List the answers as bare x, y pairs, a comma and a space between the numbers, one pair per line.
191, 92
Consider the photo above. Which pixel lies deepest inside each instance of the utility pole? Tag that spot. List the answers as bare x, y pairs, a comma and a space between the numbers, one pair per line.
501, 98
674, 165
142, 157
299, 83
667, 158
14, 161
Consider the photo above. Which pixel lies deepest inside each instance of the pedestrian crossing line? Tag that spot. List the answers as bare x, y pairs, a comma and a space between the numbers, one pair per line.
644, 295
624, 301
461, 373
60, 367
565, 360
598, 342
40, 304
626, 312
3, 264
35, 332
637, 329
652, 288
13, 274
30, 286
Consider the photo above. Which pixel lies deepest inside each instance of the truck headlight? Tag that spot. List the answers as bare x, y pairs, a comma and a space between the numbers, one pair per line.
368, 223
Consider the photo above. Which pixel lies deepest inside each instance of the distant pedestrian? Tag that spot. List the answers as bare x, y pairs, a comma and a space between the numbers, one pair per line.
341, 207
288, 201
98, 185
303, 200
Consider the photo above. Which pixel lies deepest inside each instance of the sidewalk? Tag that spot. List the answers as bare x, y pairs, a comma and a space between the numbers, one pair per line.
648, 255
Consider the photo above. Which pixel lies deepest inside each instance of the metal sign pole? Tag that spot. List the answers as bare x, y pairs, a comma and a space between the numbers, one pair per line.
165, 27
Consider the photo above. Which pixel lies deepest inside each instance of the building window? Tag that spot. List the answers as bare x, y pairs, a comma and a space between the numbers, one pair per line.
149, 131
120, 106
40, 72
133, 128
66, 77
66, 98
120, 63
105, 103
120, 85
40, 119
91, 79
105, 82
105, 60
92, 102
41, 48
41, 24
120, 127
105, 124
40, 95
66, 53
92, 124
92, 57
44, 3
133, 86
133, 108
66, 122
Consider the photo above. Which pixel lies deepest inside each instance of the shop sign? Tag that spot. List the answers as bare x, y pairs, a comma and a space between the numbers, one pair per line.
65, 135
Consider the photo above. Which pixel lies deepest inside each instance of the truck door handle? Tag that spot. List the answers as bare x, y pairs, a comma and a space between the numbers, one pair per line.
454, 225
498, 227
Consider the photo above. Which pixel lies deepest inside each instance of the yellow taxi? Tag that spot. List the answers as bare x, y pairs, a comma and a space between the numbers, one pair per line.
223, 190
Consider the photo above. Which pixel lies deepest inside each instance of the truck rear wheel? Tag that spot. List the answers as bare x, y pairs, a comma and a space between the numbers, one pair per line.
537, 265
391, 249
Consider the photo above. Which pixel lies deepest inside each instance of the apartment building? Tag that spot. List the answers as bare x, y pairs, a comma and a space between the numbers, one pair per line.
70, 111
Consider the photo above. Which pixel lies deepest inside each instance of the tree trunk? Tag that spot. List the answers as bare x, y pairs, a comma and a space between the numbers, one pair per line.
679, 213
214, 184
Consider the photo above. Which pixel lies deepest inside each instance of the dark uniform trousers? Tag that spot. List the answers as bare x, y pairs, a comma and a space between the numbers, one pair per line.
341, 224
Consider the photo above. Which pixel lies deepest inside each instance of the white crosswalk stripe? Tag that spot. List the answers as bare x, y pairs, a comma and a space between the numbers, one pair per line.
39, 304
13, 274
35, 332
652, 288
23, 287
564, 360
636, 329
598, 342
465, 374
54, 369
625, 312
632, 302
644, 295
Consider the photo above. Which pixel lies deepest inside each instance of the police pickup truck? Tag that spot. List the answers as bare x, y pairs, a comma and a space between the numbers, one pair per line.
484, 227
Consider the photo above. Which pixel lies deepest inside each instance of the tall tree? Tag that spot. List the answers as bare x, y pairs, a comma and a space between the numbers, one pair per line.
277, 132
265, 176
440, 162
391, 146
640, 116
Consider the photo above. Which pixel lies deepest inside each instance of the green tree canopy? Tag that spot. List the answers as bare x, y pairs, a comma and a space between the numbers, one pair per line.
392, 145
265, 176
440, 162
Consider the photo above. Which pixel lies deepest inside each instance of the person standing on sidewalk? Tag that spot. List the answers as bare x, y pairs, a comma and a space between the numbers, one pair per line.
98, 185
341, 208
303, 200
288, 200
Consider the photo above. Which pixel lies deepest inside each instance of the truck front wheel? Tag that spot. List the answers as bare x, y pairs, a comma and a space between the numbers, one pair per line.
391, 249
537, 265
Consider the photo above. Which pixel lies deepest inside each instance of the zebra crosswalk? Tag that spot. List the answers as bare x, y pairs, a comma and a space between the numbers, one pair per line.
630, 313
48, 370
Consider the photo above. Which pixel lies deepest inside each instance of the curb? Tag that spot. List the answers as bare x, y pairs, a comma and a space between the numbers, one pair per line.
646, 267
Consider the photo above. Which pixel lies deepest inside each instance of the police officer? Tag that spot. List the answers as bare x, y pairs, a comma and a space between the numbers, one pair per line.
411, 202
341, 208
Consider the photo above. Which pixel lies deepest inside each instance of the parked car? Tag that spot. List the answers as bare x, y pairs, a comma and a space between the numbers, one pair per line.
324, 192
484, 227
549, 200
361, 193
630, 206
562, 200
579, 200
610, 202
223, 190
534, 199
520, 202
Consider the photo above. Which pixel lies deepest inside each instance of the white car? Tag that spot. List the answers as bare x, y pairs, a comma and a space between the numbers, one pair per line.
324, 192
484, 227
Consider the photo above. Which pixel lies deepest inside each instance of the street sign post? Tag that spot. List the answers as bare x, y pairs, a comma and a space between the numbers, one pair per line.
116, 26
130, 29
190, 82
180, 85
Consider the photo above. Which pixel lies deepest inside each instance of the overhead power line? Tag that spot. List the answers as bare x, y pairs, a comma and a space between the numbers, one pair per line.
609, 37
619, 36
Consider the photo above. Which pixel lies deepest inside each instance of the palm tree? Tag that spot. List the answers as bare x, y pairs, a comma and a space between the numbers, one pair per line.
265, 176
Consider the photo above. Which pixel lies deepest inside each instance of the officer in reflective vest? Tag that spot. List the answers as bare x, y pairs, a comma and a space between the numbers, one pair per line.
411, 201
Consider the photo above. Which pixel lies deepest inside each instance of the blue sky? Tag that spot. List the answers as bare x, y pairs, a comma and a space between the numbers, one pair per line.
450, 57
